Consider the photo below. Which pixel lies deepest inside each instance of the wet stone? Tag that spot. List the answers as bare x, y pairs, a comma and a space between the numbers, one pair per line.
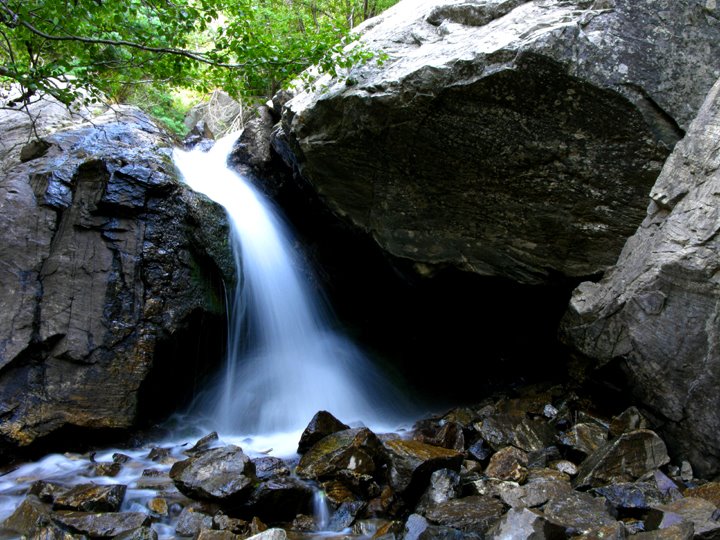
120, 458
208, 534
412, 463
161, 455
224, 522
701, 513
536, 492
47, 491
449, 435
480, 450
523, 524
709, 492
680, 531
191, 522
509, 464
158, 505
540, 458
267, 467
470, 514
626, 458
444, 485
631, 496
527, 434
462, 415
321, 425
217, 474
337, 492
141, 533
345, 515
30, 516
53, 532
205, 443
91, 498
303, 523
356, 450
269, 534
106, 469
629, 420
579, 511
585, 438
279, 499
101, 524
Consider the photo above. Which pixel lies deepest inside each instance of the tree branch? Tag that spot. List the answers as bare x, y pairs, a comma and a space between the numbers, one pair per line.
199, 57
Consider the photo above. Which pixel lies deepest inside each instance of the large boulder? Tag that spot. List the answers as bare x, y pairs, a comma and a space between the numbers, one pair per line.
109, 266
657, 310
507, 137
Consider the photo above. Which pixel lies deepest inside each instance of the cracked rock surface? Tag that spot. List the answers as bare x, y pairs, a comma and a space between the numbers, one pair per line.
104, 254
508, 138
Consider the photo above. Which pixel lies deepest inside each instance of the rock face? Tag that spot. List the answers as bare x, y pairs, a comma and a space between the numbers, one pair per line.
510, 138
107, 264
657, 310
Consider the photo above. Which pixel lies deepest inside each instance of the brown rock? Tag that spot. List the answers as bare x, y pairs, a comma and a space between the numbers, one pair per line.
626, 458
709, 492
585, 438
321, 425
101, 524
508, 464
29, 517
680, 531
470, 514
356, 450
580, 512
630, 419
700, 512
91, 498
503, 430
191, 521
158, 505
412, 463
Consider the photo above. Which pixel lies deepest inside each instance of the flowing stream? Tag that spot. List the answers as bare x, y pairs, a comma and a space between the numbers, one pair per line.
285, 362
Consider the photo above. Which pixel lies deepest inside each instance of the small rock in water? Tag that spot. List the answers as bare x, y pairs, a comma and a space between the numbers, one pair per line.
141, 533
158, 505
267, 467
29, 517
223, 522
101, 524
321, 425
279, 499
344, 516
106, 469
208, 441
120, 458
218, 474
92, 498
161, 455
47, 491
191, 522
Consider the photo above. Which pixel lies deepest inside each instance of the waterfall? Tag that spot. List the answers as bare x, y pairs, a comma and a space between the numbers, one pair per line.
284, 361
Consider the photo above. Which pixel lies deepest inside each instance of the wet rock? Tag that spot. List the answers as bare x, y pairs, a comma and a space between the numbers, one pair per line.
106, 263
106, 469
415, 526
224, 474
279, 499
412, 463
469, 514
522, 524
158, 506
680, 531
270, 534
667, 486
508, 464
584, 438
101, 525
191, 522
579, 512
630, 419
120, 458
480, 450
527, 434
655, 310
47, 491
91, 498
267, 467
345, 515
321, 425
53, 532
626, 458
444, 485
701, 513
223, 522
449, 435
304, 523
141, 533
536, 492
464, 416
540, 458
217, 535
205, 443
338, 492
356, 450
31, 516
161, 455
631, 496
709, 492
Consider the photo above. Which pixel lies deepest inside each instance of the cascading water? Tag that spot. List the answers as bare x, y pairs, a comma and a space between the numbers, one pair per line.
284, 362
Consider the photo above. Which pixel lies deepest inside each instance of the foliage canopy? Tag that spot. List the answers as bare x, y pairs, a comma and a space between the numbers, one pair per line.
246, 47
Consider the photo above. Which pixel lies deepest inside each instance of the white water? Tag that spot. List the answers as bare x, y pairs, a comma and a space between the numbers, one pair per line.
284, 362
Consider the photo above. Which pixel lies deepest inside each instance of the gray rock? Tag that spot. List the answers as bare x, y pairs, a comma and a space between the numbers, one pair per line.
270, 534
191, 521
701, 513
267, 467
101, 525
345, 515
104, 258
633, 496
536, 492
91, 498
584, 438
412, 463
579, 512
279, 499
222, 474
518, 430
444, 485
656, 309
141, 533
525, 524
524, 147
470, 514
626, 458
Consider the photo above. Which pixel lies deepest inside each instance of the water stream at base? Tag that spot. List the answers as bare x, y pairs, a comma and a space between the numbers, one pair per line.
284, 360
284, 364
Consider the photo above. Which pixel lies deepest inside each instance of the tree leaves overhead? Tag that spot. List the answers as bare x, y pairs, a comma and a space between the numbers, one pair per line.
247, 47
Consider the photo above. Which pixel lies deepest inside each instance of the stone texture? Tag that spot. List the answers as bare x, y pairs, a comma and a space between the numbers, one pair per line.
321, 425
412, 463
105, 257
279, 499
701, 513
626, 458
469, 514
709, 492
223, 474
101, 525
657, 309
525, 524
517, 430
91, 498
681, 531
631, 496
517, 139
508, 464
580, 512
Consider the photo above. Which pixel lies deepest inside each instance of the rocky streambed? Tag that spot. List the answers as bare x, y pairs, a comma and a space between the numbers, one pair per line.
537, 463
